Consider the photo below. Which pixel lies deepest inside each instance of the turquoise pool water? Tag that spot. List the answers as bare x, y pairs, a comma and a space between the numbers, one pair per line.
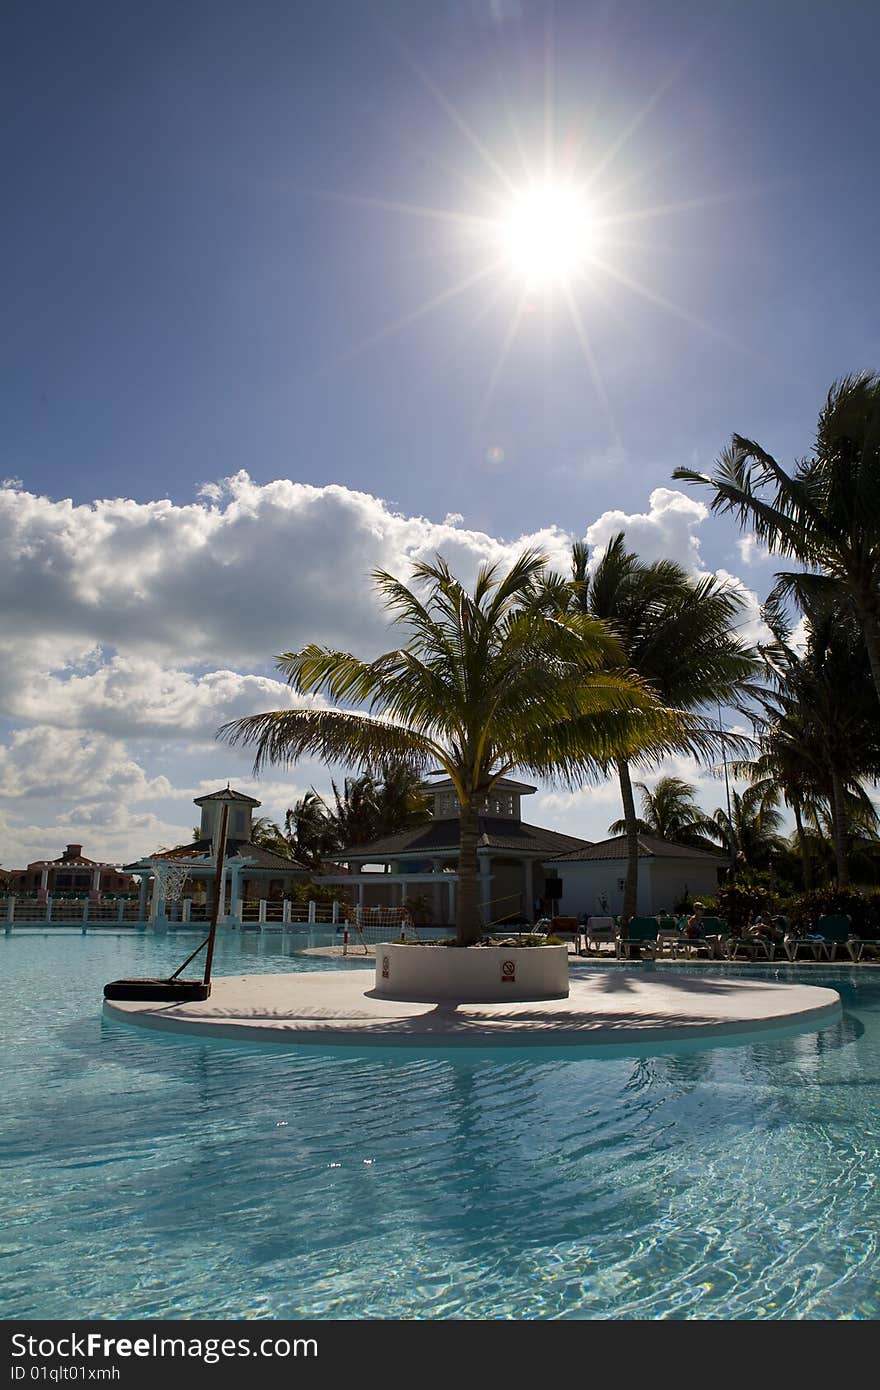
148, 1176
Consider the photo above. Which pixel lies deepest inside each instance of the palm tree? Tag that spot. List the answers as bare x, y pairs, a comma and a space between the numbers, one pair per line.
379, 802
826, 514
751, 831
269, 835
823, 705
784, 766
676, 633
401, 803
488, 682
671, 812
309, 830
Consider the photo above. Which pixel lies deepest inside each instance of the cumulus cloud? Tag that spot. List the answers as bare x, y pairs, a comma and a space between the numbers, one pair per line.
750, 627
234, 578
668, 530
129, 629
134, 696
47, 762
752, 551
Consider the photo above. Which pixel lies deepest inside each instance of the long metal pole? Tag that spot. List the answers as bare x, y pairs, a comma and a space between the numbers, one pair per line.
218, 885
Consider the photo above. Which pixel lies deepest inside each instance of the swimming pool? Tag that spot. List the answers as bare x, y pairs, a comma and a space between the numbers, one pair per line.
151, 1176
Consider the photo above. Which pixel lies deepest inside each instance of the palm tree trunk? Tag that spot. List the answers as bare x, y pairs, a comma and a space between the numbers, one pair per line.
631, 889
838, 829
468, 926
872, 642
803, 844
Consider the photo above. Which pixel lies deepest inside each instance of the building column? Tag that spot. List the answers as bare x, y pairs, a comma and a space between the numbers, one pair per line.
221, 910
234, 891
43, 893
95, 890
360, 895
158, 912
142, 898
529, 912
486, 888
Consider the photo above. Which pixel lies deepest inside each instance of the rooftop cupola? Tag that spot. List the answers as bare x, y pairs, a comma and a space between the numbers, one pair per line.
241, 809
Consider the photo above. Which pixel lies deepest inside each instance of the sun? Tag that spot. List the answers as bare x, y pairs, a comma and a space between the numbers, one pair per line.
547, 234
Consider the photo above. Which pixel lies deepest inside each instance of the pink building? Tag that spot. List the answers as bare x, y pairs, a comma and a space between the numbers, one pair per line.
71, 872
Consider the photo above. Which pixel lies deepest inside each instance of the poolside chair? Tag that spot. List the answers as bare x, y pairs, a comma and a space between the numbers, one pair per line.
567, 926
859, 944
715, 933
640, 931
751, 947
599, 932
689, 946
835, 931
832, 930
667, 933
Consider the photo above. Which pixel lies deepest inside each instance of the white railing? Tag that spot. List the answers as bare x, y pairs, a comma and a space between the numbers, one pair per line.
266, 914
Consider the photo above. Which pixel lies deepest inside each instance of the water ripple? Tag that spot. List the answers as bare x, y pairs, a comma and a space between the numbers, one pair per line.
149, 1176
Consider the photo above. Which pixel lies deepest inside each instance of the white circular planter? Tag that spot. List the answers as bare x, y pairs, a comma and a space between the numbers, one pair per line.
483, 974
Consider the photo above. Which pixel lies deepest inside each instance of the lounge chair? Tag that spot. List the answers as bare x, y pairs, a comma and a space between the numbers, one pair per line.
680, 943
690, 946
599, 932
667, 934
567, 926
716, 934
835, 929
751, 946
859, 944
640, 931
831, 931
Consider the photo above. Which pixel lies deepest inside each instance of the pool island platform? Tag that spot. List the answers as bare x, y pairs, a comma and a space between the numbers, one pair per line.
622, 1008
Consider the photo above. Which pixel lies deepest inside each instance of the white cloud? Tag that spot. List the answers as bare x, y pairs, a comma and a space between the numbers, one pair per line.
133, 696
752, 551
750, 626
130, 630
666, 531
47, 762
262, 569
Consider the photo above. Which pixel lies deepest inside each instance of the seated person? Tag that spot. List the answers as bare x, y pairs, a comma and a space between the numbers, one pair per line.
694, 926
760, 927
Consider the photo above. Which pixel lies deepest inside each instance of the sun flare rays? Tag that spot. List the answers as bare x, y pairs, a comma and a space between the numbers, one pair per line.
544, 228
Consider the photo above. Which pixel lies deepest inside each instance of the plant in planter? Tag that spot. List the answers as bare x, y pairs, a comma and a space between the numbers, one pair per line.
488, 682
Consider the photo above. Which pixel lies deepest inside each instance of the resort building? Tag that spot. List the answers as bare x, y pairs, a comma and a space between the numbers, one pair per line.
422, 864
249, 871
594, 876
71, 874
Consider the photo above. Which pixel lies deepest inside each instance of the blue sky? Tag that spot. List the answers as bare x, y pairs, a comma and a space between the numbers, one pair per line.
205, 252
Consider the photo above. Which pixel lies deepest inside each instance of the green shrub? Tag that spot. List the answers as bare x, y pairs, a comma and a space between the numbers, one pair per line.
318, 893
737, 902
805, 910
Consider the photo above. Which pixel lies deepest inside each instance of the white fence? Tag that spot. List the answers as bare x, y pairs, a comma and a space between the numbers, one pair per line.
263, 914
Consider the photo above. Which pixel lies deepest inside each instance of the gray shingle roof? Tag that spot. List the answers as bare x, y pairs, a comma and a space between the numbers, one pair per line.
439, 835
226, 794
650, 847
